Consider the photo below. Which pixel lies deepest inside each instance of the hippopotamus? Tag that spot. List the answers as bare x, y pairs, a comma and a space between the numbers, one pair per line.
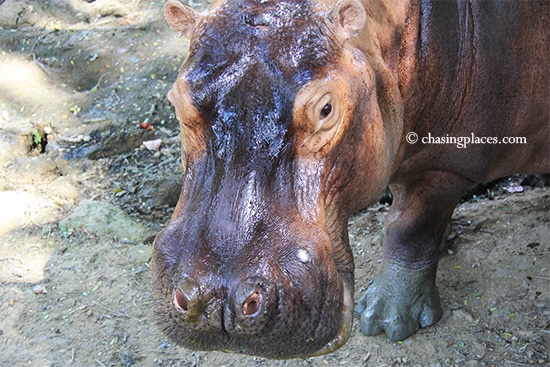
294, 115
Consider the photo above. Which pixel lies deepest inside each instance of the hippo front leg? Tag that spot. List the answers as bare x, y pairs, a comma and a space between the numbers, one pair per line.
404, 296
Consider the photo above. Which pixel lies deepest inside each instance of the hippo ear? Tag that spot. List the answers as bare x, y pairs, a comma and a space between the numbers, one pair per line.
181, 17
350, 17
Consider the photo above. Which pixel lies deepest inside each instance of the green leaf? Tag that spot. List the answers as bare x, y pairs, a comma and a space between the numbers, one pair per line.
36, 137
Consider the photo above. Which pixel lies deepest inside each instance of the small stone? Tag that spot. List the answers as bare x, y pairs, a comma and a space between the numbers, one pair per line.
515, 189
152, 145
39, 289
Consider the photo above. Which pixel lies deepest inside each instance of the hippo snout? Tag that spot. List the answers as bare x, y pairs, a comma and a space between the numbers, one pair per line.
278, 302
246, 308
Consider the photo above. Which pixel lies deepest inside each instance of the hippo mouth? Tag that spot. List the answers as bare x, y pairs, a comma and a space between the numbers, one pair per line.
231, 336
347, 322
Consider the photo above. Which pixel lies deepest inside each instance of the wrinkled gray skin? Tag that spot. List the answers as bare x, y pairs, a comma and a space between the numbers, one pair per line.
294, 114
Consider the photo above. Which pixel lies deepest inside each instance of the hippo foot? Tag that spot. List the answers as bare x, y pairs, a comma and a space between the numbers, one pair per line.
399, 302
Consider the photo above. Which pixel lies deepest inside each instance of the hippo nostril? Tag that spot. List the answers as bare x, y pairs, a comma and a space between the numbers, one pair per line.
251, 307
180, 301
252, 304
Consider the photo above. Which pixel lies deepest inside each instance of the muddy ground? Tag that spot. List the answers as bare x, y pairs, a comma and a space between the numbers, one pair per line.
82, 86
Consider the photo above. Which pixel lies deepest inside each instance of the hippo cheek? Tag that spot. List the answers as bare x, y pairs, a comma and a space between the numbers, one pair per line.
293, 318
309, 312
346, 316
315, 304
338, 312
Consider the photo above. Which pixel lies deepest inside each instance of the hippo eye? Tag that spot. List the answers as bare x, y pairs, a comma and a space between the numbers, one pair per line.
326, 110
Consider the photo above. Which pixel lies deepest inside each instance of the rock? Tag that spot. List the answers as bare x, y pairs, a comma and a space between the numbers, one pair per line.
515, 189
152, 145
104, 219
39, 289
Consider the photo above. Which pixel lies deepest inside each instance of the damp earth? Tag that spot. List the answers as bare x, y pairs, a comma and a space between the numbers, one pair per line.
90, 171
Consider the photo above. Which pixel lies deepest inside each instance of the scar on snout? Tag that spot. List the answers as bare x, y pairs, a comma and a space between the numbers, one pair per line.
303, 256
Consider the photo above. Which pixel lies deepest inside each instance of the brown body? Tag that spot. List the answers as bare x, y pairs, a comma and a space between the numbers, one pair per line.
464, 67
295, 114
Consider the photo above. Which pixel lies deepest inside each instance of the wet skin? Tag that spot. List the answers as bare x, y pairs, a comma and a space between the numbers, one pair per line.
293, 116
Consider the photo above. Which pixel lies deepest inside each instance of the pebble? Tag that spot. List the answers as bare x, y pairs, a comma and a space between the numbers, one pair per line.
152, 145
39, 289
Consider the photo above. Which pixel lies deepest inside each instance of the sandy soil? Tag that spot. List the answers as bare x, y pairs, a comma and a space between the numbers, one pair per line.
80, 83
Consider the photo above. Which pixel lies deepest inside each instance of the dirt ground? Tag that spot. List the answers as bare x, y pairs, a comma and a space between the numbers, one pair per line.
82, 86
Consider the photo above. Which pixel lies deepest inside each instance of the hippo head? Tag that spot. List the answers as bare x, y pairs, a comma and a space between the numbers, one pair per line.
283, 137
